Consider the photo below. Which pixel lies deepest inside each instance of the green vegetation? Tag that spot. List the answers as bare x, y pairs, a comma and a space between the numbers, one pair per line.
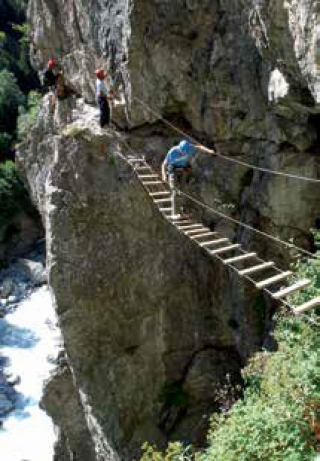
17, 78
18, 106
28, 115
279, 416
13, 196
11, 98
175, 452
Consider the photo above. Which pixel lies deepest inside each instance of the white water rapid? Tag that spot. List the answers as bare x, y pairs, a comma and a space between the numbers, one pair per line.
29, 340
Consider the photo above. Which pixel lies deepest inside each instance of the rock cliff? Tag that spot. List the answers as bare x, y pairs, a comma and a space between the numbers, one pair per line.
151, 326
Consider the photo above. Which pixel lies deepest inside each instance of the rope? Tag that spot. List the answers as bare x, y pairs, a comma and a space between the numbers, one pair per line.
241, 224
229, 159
247, 277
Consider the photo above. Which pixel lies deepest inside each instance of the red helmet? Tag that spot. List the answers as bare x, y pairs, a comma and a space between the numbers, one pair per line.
51, 63
100, 74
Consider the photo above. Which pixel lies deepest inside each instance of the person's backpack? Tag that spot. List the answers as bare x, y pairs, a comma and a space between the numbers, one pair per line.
49, 78
63, 91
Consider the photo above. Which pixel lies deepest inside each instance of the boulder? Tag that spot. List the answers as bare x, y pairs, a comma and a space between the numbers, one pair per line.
33, 270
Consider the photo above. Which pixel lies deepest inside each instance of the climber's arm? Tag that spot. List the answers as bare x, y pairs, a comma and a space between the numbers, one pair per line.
202, 148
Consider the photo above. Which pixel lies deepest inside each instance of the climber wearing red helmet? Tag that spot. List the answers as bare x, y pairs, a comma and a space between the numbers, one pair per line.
103, 95
49, 75
52, 64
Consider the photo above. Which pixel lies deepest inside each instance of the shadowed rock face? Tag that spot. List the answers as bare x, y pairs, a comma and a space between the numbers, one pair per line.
151, 325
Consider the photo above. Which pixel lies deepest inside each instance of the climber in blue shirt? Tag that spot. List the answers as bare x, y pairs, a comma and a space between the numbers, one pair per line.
179, 157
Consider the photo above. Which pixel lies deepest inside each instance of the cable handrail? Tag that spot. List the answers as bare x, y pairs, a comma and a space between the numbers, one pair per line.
224, 157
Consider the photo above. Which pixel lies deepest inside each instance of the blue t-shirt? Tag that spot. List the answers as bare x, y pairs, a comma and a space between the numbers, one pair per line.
178, 159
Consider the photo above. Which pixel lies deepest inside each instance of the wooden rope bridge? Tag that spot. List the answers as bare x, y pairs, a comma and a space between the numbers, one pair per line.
247, 264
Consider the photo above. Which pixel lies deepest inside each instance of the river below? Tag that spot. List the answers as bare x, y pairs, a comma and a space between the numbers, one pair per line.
29, 344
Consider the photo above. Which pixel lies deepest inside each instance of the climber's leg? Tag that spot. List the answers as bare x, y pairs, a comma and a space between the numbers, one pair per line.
173, 194
104, 111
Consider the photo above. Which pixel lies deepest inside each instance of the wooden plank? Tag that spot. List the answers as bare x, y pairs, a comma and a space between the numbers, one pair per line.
163, 200
273, 280
213, 242
147, 176
291, 289
240, 258
225, 249
138, 160
258, 268
205, 234
151, 183
187, 227
187, 221
315, 302
190, 233
180, 218
159, 194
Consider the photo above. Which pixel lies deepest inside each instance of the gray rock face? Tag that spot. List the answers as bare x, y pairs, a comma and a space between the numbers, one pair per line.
61, 399
138, 302
150, 324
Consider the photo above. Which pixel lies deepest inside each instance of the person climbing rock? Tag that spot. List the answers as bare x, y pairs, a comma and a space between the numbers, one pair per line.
179, 157
49, 82
177, 162
50, 75
103, 95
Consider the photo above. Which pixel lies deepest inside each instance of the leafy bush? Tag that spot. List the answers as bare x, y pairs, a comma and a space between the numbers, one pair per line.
13, 196
279, 416
10, 99
175, 452
5, 143
17, 78
28, 116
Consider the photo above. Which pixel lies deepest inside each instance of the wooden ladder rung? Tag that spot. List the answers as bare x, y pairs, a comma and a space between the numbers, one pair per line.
225, 249
315, 302
239, 258
143, 168
189, 221
138, 160
195, 231
147, 176
205, 234
188, 226
291, 289
273, 280
151, 183
165, 210
159, 194
163, 200
258, 268
213, 242
180, 218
